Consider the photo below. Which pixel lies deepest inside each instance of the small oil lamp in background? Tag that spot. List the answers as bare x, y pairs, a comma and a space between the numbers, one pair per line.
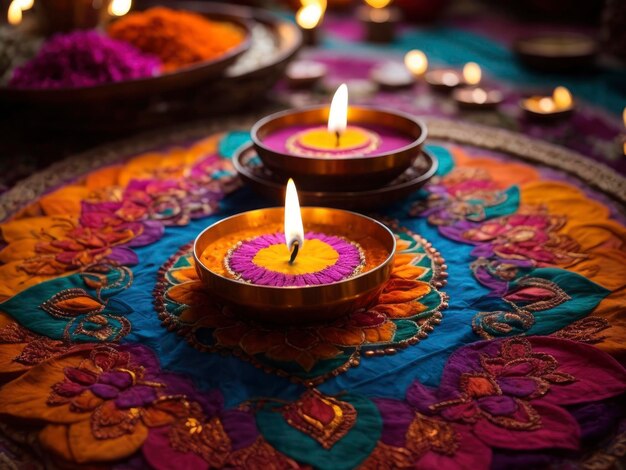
549, 108
305, 73
295, 265
446, 80
392, 76
473, 95
416, 62
380, 20
309, 17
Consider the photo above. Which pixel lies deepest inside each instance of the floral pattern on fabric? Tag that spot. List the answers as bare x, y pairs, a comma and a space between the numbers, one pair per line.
104, 403
511, 393
77, 308
549, 254
71, 390
409, 306
101, 403
101, 218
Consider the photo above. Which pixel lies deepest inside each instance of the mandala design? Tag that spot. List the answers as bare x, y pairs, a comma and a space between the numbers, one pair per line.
408, 308
262, 260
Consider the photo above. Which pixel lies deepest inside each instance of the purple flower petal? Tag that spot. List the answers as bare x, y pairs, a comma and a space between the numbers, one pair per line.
498, 405
106, 392
136, 397
517, 386
119, 380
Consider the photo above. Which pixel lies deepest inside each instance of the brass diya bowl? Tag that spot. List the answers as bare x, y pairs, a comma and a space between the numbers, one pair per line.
348, 172
297, 305
272, 186
469, 98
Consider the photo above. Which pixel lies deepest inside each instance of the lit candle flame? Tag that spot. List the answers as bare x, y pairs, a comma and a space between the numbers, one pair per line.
310, 14
25, 4
120, 7
562, 97
472, 73
378, 3
294, 230
14, 14
416, 61
338, 117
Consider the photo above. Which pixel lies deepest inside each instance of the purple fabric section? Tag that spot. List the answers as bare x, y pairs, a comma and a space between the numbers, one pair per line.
160, 455
137, 396
240, 262
106, 392
514, 379
240, 427
397, 417
389, 139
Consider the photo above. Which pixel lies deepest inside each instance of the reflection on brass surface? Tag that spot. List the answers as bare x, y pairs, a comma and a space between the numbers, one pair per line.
297, 304
356, 172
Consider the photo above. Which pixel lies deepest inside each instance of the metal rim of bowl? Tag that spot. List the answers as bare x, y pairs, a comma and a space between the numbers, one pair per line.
265, 151
243, 170
381, 266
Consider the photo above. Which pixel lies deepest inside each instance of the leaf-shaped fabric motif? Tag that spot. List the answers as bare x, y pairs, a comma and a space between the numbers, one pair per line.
72, 303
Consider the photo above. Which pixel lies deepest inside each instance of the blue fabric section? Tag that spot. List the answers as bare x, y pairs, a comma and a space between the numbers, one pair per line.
389, 376
384, 376
454, 47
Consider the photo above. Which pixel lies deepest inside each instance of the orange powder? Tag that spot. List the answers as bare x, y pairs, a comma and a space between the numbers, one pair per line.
213, 256
178, 38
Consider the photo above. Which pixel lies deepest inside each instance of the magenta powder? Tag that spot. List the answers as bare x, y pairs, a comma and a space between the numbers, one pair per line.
391, 139
83, 59
240, 262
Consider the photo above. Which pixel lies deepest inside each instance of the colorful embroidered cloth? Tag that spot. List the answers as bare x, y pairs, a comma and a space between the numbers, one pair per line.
496, 343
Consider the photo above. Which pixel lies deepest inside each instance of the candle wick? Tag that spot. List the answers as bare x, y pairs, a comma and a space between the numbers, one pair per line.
294, 253
338, 136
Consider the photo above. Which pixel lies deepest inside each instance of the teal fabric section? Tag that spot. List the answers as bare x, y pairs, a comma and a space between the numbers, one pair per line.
346, 454
581, 296
59, 322
454, 47
508, 206
446, 163
232, 142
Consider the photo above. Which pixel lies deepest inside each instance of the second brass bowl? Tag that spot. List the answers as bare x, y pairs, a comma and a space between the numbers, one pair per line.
267, 184
349, 173
297, 305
